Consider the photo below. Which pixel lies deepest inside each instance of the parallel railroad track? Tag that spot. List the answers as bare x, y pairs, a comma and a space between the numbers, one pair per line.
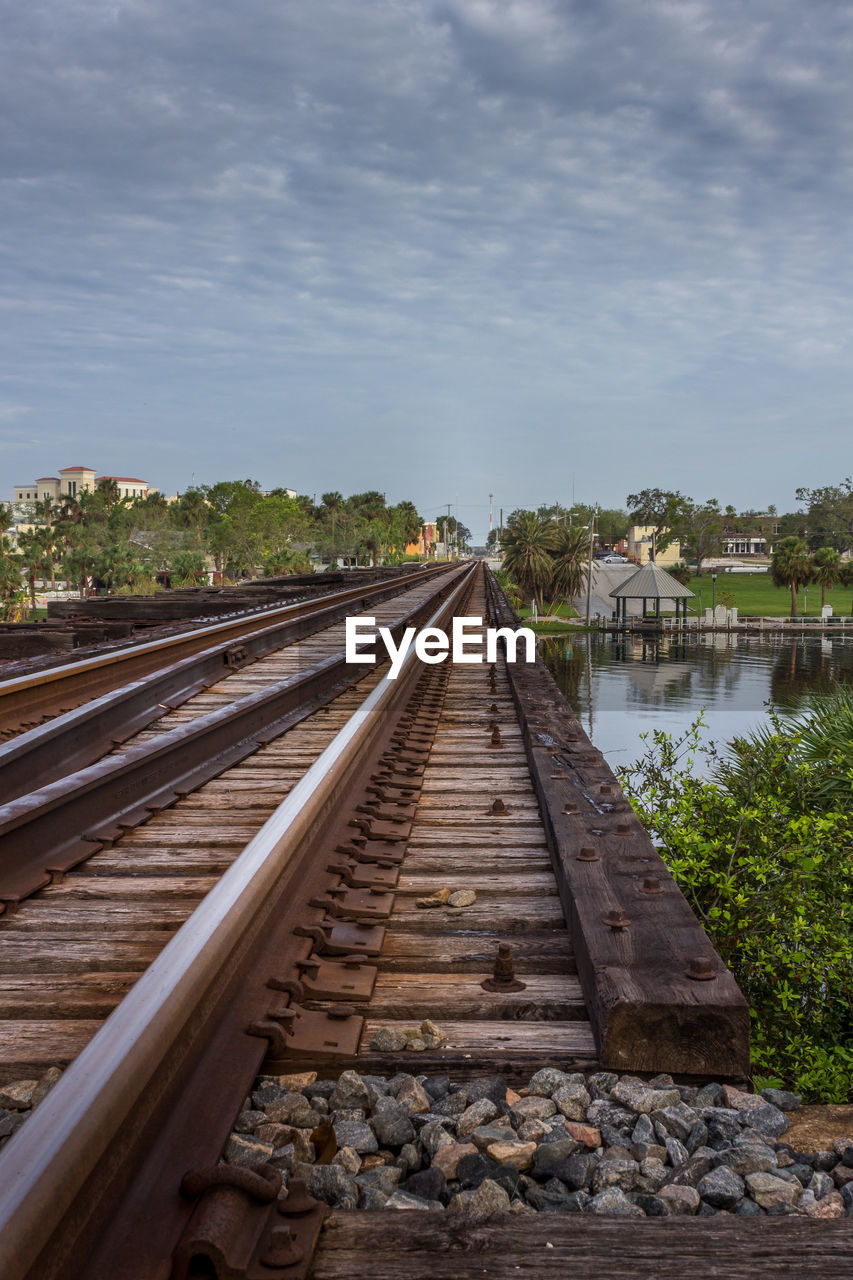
28, 700
310, 950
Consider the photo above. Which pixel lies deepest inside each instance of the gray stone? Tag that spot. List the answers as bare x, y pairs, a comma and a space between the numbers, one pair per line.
767, 1120
477, 1114
803, 1172
768, 1190
653, 1175
643, 1131
639, 1097
385, 1178
409, 1158
647, 1151
572, 1100
329, 1183
430, 1184
601, 1082
246, 1152
485, 1134
548, 1080
749, 1209
697, 1136
615, 1173
11, 1121
249, 1121
351, 1092
782, 1099
488, 1197
371, 1198
676, 1151
348, 1158
677, 1120
356, 1134
549, 1152
613, 1202
452, 1105
825, 1160
651, 1205
533, 1108
607, 1114
391, 1123
550, 1198
707, 1210
404, 1200
576, 1172
679, 1200
413, 1096
692, 1171
821, 1184
710, 1095
492, 1087
388, 1040
434, 1136
748, 1156
722, 1188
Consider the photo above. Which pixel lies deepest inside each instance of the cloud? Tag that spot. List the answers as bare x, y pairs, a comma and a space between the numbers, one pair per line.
404, 231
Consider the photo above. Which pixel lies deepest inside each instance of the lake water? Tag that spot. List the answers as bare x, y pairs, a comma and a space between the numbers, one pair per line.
623, 686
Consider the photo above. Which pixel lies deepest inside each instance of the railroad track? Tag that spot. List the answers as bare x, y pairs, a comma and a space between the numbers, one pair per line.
27, 700
306, 896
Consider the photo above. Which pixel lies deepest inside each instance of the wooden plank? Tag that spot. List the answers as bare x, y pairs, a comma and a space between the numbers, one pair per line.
490, 915
34, 953
484, 882
549, 1041
460, 996
442, 1246
82, 995
128, 888
100, 917
546, 950
647, 1013
29, 1047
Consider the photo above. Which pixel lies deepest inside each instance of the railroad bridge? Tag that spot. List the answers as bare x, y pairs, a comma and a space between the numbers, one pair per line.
228, 852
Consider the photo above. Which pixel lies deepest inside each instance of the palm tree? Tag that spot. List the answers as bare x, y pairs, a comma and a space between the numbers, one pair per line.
845, 577
527, 544
791, 567
826, 570
570, 562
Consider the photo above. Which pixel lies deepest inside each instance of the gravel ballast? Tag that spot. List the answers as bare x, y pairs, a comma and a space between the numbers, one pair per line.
568, 1142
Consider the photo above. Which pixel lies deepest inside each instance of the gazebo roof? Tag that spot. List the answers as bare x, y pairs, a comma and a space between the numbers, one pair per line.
652, 583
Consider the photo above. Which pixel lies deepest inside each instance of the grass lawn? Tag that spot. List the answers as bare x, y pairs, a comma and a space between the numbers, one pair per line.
754, 593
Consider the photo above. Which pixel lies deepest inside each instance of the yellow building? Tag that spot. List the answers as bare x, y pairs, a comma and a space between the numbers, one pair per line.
640, 547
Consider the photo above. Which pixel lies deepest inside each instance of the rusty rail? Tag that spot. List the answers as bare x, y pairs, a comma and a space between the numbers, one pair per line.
179, 1037
46, 833
79, 737
28, 699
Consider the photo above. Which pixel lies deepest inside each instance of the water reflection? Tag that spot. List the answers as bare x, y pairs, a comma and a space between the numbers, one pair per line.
621, 686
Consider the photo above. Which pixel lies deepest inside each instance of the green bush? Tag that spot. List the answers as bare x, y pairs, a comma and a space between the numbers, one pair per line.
761, 848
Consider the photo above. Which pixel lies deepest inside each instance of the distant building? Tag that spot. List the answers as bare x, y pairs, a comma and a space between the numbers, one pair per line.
758, 542
640, 542
71, 482
426, 541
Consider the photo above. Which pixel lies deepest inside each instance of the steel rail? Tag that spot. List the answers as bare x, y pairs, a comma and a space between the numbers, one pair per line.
57, 1171
24, 699
77, 738
63, 823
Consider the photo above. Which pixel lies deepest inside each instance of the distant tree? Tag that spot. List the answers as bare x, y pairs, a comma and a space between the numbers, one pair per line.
829, 515
527, 544
826, 570
791, 567
700, 529
661, 509
569, 562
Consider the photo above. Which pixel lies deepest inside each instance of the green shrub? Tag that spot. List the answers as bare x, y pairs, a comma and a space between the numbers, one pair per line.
763, 852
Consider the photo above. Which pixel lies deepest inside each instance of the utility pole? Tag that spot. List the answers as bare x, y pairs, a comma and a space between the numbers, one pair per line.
501, 534
593, 514
491, 548
446, 523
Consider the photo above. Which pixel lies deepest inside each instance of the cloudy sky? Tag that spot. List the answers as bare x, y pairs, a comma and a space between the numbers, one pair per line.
440, 248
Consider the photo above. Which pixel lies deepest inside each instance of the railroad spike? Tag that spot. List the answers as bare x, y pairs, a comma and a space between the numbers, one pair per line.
503, 977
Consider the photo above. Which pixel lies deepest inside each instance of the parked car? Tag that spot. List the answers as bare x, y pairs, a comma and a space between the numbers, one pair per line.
615, 558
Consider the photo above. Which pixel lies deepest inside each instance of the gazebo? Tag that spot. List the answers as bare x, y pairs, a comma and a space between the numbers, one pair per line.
651, 583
